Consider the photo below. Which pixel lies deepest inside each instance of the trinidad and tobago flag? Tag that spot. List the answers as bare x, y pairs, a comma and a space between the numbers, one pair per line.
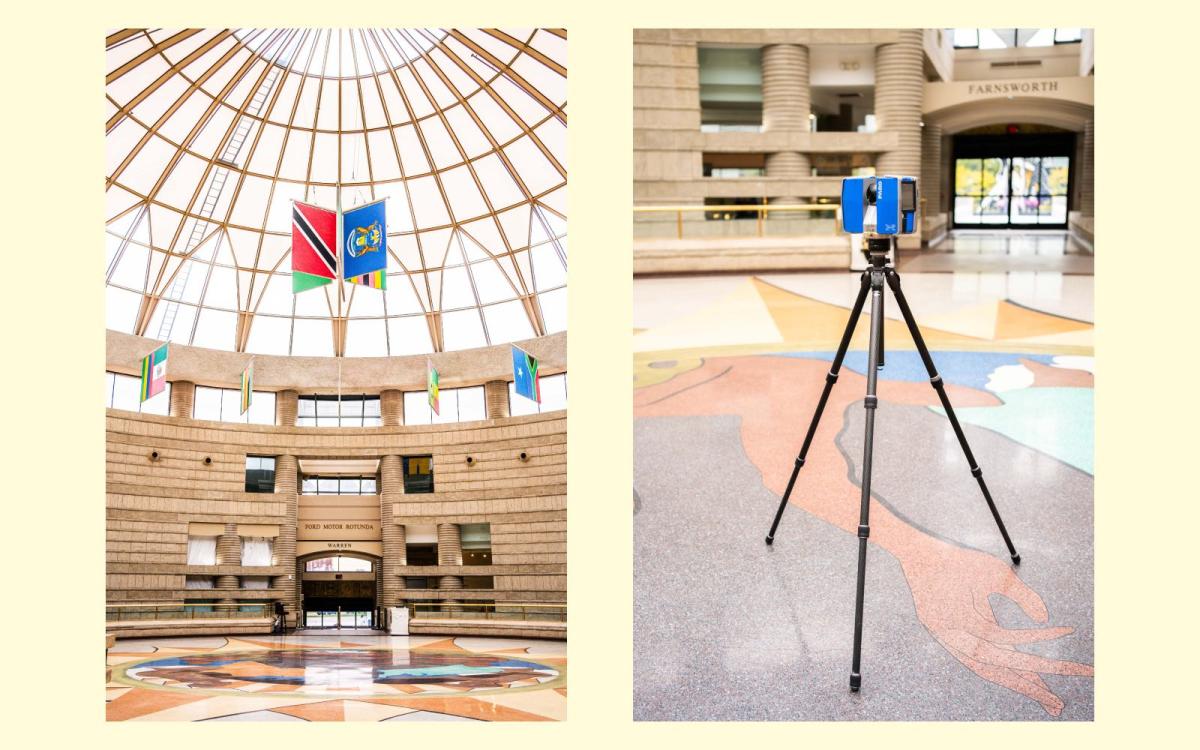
314, 243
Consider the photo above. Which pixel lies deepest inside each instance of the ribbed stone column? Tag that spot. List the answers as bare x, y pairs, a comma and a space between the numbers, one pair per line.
1087, 174
391, 490
286, 484
286, 403
786, 106
899, 96
449, 553
391, 406
931, 168
183, 396
495, 398
229, 553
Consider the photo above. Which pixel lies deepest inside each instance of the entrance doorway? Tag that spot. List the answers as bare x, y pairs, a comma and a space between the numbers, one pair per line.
1012, 181
339, 592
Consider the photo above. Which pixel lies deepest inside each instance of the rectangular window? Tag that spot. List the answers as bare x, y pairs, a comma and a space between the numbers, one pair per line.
478, 582
421, 553
318, 485
328, 411
257, 551
225, 405
200, 582
260, 473
124, 392
730, 88
418, 474
256, 582
202, 550
411, 582
454, 405
554, 396
476, 543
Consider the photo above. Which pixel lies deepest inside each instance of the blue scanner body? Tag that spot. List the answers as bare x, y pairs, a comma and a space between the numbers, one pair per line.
880, 205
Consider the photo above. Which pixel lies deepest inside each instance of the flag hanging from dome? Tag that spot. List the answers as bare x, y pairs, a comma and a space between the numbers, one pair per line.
525, 375
431, 386
364, 244
247, 386
314, 237
374, 279
154, 373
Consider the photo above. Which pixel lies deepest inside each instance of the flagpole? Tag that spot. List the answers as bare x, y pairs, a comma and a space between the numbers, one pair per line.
338, 189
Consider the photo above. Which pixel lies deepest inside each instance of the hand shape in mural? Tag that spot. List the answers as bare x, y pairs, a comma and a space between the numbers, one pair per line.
951, 585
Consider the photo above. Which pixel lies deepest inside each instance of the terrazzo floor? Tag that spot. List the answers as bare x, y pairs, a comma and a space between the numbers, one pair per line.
337, 678
727, 372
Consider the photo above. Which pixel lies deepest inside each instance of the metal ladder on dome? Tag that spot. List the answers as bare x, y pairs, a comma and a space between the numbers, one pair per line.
220, 175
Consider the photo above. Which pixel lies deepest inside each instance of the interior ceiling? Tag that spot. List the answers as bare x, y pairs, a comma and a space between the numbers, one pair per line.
211, 134
335, 466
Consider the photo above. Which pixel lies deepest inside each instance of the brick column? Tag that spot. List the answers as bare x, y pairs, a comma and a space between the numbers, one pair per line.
1087, 171
449, 553
899, 97
786, 106
285, 408
285, 544
229, 553
391, 406
495, 398
932, 178
391, 490
183, 396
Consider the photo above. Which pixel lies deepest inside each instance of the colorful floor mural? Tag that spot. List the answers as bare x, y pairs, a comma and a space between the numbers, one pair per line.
324, 678
727, 373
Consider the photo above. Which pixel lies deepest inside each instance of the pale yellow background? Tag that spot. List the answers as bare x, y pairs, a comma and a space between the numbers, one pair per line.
1146, 493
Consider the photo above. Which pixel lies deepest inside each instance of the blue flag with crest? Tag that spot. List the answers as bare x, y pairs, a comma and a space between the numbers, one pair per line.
364, 240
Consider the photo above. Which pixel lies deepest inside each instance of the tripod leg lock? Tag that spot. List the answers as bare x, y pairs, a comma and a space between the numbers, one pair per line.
936, 382
799, 463
870, 402
977, 472
864, 531
831, 377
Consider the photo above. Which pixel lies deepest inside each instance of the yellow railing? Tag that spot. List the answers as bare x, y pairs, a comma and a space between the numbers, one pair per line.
178, 611
480, 611
761, 211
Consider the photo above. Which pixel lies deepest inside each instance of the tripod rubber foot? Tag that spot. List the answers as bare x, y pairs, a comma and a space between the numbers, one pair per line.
855, 681
770, 540
1016, 559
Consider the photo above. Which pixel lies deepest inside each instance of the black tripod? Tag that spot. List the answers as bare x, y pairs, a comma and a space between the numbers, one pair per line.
873, 280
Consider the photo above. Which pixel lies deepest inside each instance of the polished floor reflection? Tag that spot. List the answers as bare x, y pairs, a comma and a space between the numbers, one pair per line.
727, 371
981, 250
326, 678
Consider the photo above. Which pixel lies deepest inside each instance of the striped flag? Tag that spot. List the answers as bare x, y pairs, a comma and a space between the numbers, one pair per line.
154, 373
525, 375
431, 386
247, 386
314, 239
375, 279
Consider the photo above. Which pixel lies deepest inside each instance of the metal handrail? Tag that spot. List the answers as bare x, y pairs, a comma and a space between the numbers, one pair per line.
489, 611
187, 611
760, 209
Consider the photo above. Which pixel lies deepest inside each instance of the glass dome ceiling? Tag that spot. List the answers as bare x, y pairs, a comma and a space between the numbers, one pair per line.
211, 134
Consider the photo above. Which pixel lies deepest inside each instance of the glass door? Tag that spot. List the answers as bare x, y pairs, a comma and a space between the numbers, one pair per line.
981, 194
1039, 190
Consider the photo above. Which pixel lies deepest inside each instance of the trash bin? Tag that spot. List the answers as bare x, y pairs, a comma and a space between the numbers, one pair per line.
399, 620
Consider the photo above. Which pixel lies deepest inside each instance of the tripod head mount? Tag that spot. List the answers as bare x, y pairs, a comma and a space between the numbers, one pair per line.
877, 247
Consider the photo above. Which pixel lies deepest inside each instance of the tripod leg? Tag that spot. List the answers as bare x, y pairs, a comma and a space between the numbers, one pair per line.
830, 379
864, 529
893, 279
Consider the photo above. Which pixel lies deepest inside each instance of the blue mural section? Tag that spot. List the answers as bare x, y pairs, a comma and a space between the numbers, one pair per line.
963, 368
1059, 422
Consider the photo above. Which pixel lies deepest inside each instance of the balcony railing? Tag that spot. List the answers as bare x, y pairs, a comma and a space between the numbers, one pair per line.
736, 220
177, 611
486, 611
